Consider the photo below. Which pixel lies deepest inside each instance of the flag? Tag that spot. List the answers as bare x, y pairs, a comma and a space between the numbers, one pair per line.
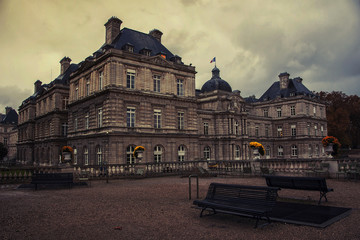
213, 60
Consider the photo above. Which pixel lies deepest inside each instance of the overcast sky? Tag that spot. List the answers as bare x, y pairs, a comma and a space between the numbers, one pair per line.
253, 41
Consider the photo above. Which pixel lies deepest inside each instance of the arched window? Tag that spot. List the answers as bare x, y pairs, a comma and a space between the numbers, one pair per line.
267, 151
310, 150
86, 156
130, 159
317, 150
158, 151
207, 153
75, 155
99, 156
294, 151
181, 153
280, 151
237, 152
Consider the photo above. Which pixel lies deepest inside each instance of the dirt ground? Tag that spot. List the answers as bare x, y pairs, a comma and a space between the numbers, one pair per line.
156, 208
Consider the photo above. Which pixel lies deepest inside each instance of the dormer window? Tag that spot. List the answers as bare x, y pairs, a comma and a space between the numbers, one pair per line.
145, 51
128, 47
176, 59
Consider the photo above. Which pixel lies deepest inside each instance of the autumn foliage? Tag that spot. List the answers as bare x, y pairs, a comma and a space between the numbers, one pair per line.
343, 117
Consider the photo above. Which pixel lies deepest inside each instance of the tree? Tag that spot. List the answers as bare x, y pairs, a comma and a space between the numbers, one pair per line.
343, 117
3, 151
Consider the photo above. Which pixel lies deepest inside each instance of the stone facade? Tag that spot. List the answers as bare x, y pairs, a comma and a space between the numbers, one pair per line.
8, 132
133, 91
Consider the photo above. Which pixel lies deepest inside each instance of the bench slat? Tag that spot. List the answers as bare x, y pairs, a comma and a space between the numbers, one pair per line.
232, 198
299, 183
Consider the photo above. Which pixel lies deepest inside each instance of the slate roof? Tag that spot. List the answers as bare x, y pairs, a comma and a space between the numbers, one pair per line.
295, 88
64, 78
139, 41
61, 79
216, 83
11, 117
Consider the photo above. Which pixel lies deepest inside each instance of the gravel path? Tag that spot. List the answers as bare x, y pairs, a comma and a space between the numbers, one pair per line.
156, 208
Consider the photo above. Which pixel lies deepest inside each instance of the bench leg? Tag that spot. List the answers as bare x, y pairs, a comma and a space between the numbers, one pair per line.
257, 221
259, 217
322, 195
203, 209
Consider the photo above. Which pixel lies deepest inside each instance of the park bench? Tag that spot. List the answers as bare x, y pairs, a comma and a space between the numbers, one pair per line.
300, 183
52, 178
253, 201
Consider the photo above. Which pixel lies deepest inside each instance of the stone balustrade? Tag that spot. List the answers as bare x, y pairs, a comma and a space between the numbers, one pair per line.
278, 166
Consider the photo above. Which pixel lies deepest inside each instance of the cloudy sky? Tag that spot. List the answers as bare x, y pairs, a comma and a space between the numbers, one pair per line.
253, 40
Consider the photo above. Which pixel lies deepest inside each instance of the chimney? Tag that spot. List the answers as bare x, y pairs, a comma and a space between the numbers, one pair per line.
7, 110
37, 86
64, 64
284, 80
112, 29
156, 34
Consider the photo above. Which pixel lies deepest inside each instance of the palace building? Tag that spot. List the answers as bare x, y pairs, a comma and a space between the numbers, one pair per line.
133, 91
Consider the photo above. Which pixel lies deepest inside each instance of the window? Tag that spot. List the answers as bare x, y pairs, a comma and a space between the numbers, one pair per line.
256, 131
158, 154
307, 110
130, 159
266, 131
317, 150
266, 112
75, 155
278, 110
64, 129
181, 153
292, 110
87, 121
180, 120
294, 151
5, 141
86, 156
322, 130
77, 92
237, 152
101, 80
156, 83
130, 79
180, 87
310, 150
206, 128
99, 155
280, 151
293, 130
315, 128
236, 128
207, 153
267, 151
87, 87
157, 118
314, 110
130, 117
100, 118
75, 124
308, 128
65, 103
279, 131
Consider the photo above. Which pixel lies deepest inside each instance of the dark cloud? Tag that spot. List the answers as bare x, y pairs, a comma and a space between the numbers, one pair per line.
12, 96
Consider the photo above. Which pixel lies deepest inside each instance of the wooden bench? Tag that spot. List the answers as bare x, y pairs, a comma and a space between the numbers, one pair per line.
239, 200
52, 178
300, 183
